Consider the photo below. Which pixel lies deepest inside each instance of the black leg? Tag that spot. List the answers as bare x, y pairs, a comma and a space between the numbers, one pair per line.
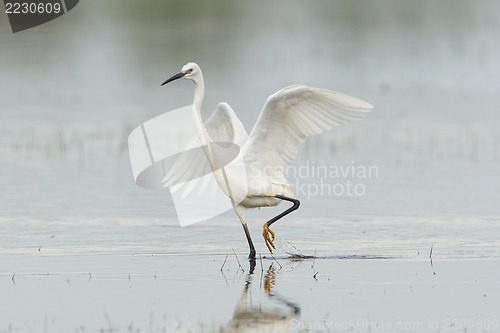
251, 256
252, 262
296, 204
267, 231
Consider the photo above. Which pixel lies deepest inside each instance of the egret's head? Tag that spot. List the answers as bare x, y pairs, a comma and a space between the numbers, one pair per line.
189, 71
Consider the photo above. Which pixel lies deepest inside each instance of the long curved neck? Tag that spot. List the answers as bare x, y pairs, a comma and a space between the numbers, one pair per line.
205, 139
199, 93
203, 136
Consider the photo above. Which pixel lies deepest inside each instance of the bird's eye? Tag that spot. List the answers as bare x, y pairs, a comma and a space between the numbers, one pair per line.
190, 70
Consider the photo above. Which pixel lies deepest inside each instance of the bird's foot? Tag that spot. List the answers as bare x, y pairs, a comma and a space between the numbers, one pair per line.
269, 241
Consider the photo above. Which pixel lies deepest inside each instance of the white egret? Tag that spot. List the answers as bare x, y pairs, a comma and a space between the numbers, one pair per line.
288, 117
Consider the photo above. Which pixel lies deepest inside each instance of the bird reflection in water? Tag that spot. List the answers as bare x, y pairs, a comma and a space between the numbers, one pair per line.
273, 314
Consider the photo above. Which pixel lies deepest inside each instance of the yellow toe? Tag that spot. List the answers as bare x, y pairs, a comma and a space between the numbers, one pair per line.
269, 242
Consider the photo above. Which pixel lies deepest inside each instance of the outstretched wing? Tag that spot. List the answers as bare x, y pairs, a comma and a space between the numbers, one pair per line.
289, 116
224, 126
187, 170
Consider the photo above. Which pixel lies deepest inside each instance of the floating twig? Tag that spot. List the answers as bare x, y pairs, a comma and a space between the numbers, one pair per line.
261, 270
430, 256
276, 260
312, 266
238, 261
223, 263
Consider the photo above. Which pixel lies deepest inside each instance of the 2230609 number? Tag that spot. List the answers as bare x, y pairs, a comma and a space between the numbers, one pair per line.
32, 8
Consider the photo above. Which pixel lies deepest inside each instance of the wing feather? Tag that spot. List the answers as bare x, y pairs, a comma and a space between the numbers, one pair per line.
291, 115
222, 126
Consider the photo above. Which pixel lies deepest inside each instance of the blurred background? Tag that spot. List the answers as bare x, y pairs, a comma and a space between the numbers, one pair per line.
82, 248
74, 88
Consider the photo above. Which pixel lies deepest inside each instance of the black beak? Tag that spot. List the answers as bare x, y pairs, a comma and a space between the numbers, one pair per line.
175, 77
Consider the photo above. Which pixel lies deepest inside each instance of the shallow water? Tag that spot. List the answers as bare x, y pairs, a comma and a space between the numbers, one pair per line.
363, 294
125, 274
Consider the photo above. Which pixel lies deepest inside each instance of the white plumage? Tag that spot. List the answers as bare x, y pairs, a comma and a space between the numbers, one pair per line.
289, 116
